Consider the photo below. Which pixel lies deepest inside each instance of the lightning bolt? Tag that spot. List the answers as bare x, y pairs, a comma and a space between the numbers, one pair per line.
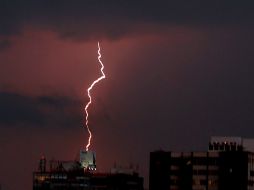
103, 76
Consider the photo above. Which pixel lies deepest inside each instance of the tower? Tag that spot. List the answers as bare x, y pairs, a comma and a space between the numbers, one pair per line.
88, 160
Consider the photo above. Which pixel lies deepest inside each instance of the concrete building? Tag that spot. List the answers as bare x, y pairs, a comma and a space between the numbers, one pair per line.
228, 164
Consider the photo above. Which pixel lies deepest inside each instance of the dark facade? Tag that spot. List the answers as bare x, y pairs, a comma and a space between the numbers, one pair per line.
224, 166
81, 181
159, 170
233, 173
70, 176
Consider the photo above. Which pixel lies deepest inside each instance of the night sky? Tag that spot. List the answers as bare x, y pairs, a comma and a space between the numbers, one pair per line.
177, 73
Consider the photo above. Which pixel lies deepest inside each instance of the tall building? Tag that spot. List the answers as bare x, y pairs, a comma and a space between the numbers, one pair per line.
228, 164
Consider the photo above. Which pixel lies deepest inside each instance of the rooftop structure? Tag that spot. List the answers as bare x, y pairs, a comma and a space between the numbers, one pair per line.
231, 143
88, 160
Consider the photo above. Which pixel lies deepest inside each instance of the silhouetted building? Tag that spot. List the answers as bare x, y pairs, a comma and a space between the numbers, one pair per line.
227, 165
71, 175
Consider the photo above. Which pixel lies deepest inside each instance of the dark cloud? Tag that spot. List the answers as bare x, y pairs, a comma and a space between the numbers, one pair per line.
15, 108
114, 19
40, 111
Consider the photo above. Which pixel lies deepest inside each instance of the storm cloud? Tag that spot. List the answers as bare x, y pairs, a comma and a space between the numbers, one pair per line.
39, 111
114, 19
